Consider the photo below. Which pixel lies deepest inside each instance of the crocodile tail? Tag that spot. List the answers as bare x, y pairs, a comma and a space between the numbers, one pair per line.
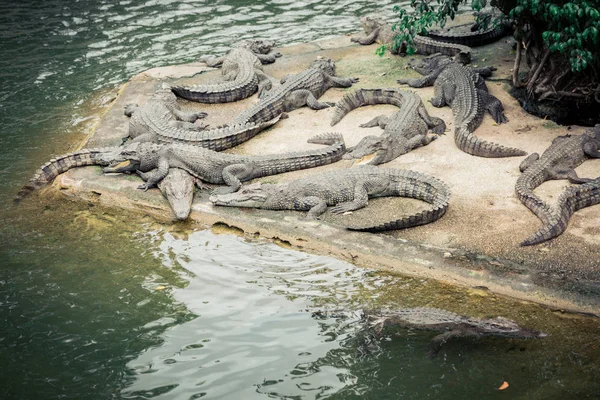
56, 166
224, 92
572, 199
363, 97
471, 144
524, 187
417, 186
329, 138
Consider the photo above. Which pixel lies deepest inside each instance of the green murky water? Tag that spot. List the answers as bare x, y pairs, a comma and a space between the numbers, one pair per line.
99, 304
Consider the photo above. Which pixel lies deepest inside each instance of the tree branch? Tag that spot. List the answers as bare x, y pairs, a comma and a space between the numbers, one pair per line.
515, 76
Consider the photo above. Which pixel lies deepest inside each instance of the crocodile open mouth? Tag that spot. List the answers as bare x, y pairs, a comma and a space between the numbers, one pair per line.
122, 166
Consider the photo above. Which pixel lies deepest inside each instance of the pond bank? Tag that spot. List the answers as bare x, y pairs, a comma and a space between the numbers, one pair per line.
474, 244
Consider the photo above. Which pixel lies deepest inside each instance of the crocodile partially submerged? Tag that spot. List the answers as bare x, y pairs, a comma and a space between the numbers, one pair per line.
455, 87
453, 325
557, 162
242, 77
346, 190
404, 130
152, 162
378, 30
298, 90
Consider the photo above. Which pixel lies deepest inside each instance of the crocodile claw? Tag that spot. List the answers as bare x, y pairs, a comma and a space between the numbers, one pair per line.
144, 187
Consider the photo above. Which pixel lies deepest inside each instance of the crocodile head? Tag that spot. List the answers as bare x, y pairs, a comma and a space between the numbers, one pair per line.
178, 188
257, 46
132, 156
429, 64
500, 326
368, 145
253, 196
324, 64
369, 23
165, 95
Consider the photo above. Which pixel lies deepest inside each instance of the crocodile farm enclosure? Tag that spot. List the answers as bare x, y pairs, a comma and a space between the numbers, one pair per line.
290, 217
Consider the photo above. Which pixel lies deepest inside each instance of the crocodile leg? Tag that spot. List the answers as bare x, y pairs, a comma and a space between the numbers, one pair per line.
591, 149
187, 117
568, 173
301, 97
427, 80
154, 176
438, 99
366, 40
233, 175
336, 81
494, 107
130, 109
361, 199
528, 162
213, 62
380, 120
437, 125
316, 206
439, 340
264, 83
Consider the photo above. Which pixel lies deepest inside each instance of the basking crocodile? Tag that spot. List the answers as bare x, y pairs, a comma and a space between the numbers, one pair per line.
472, 39
260, 48
159, 120
455, 87
572, 199
152, 162
404, 130
557, 162
243, 76
303, 88
379, 31
178, 188
432, 66
453, 325
346, 190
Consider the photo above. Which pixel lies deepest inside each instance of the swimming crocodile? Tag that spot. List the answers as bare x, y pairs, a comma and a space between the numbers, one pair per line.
377, 30
557, 162
159, 120
242, 77
346, 190
432, 66
453, 325
152, 162
455, 87
404, 130
303, 88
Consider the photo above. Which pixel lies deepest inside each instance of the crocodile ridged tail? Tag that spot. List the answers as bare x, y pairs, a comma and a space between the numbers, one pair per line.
363, 97
471, 144
273, 165
427, 45
417, 186
225, 92
472, 39
56, 166
572, 199
524, 187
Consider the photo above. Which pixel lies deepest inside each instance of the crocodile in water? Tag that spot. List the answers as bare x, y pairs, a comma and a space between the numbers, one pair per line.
377, 30
346, 190
455, 87
152, 162
404, 130
557, 162
453, 325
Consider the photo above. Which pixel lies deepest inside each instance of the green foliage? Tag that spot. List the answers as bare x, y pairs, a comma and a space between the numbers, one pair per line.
569, 27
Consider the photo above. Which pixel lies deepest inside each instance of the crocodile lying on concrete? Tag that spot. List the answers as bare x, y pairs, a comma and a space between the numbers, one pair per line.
456, 88
432, 66
178, 188
572, 199
472, 39
303, 88
404, 130
242, 77
453, 325
346, 190
152, 162
379, 31
159, 120
557, 162
260, 48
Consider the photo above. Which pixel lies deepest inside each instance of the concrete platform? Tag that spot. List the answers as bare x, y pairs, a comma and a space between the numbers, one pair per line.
475, 244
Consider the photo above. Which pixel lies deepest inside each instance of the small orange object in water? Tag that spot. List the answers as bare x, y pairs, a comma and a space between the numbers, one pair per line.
161, 287
503, 386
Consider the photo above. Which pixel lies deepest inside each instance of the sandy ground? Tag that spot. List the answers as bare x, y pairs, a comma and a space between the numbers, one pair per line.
475, 243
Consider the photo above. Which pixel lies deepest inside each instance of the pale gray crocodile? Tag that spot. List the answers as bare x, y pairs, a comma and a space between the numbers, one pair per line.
404, 130
453, 325
346, 190
455, 87
152, 162
242, 77
378, 30
262, 49
178, 188
557, 162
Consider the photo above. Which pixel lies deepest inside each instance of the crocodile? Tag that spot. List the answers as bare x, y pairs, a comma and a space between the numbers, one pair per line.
432, 66
472, 39
453, 325
557, 162
242, 77
346, 190
159, 120
260, 48
571, 199
303, 88
404, 130
455, 87
152, 162
378, 30
178, 188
